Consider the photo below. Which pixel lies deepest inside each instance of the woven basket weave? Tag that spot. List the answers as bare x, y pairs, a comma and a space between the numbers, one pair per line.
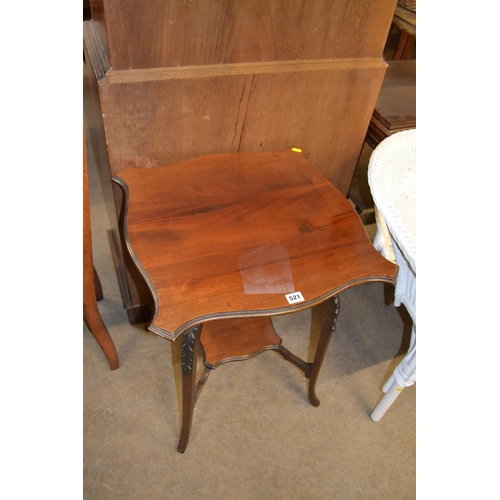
408, 4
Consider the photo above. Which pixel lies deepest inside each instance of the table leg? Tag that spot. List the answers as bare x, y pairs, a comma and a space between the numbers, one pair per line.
330, 315
189, 355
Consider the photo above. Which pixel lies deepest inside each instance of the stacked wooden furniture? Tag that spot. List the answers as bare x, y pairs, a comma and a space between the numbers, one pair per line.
179, 79
396, 107
405, 19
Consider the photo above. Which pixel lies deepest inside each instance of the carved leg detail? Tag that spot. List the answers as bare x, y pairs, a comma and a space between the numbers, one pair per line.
330, 315
190, 347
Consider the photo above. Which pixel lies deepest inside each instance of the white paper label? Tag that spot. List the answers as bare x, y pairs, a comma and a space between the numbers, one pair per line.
294, 297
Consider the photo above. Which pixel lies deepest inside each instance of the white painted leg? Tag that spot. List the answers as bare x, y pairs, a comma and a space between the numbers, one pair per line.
403, 376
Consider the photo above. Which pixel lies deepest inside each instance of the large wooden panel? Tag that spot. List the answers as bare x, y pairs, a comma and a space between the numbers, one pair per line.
166, 33
156, 123
325, 111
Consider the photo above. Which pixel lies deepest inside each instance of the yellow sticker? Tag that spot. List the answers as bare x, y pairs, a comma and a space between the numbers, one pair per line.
297, 150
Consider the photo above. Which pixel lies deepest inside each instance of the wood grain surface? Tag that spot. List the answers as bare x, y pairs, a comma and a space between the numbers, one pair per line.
231, 235
324, 108
155, 33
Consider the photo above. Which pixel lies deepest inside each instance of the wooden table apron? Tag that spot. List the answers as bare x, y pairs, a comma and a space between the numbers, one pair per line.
222, 240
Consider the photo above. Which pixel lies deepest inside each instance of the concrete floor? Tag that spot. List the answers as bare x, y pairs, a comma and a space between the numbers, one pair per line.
255, 435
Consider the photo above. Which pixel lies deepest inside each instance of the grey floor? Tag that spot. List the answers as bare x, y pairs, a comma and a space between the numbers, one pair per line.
255, 436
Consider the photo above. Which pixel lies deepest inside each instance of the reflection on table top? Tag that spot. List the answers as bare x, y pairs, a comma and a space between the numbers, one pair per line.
232, 235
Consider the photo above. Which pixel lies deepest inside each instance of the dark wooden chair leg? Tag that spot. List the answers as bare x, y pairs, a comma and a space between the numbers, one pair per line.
189, 355
330, 315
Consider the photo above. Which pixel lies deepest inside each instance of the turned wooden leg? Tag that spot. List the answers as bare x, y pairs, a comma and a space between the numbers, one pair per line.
189, 355
330, 315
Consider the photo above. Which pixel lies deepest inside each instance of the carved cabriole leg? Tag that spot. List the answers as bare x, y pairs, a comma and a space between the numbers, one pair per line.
189, 355
330, 315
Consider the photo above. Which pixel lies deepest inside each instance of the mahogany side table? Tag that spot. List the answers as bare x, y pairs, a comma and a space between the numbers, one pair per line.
227, 241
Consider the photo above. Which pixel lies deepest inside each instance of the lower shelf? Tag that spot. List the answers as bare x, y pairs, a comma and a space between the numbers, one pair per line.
237, 339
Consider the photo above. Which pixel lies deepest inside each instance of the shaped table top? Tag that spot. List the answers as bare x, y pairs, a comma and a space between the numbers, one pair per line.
232, 235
